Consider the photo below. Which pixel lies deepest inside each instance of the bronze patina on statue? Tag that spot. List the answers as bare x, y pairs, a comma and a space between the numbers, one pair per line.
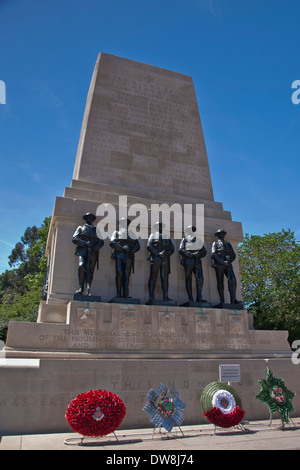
160, 248
87, 249
223, 255
125, 244
192, 251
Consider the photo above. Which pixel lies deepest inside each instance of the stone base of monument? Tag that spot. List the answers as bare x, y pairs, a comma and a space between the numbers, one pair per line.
128, 349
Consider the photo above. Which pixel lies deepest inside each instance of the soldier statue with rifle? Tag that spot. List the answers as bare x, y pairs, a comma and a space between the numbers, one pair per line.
125, 245
192, 251
222, 255
160, 248
87, 249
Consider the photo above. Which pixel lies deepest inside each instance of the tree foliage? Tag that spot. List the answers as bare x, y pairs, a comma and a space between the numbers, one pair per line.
21, 286
270, 276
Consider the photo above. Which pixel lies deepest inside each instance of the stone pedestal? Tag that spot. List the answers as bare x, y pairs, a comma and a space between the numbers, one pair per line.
143, 331
128, 349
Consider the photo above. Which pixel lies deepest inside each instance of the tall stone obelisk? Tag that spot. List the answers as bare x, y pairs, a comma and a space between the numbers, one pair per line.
141, 130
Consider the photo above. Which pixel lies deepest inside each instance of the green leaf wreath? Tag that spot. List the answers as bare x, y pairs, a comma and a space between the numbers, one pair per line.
276, 395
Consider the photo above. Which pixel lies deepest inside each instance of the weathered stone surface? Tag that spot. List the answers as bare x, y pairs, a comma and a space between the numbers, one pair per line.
35, 400
115, 330
141, 126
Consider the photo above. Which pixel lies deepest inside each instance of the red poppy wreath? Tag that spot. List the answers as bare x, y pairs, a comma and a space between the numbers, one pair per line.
95, 413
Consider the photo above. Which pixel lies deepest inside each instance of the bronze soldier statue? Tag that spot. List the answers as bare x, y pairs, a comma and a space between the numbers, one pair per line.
88, 246
160, 248
124, 245
222, 255
191, 255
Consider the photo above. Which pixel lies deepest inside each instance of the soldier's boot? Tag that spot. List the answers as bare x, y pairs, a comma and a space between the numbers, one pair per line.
232, 291
188, 285
81, 274
126, 289
221, 294
165, 288
151, 286
119, 284
88, 284
199, 285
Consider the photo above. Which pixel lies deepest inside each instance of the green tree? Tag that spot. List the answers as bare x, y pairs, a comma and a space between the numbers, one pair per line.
19, 253
270, 276
21, 286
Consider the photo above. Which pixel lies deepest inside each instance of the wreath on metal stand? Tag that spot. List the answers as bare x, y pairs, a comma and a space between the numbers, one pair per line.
222, 405
277, 396
95, 414
165, 408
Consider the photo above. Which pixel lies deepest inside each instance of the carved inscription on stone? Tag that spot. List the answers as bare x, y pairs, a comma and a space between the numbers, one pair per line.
151, 329
164, 339
134, 119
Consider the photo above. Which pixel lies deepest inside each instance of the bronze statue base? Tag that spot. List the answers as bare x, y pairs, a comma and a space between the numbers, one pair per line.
239, 306
124, 300
171, 303
87, 298
196, 304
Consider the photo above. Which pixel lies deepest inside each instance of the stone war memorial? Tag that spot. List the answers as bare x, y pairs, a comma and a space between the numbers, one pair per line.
132, 298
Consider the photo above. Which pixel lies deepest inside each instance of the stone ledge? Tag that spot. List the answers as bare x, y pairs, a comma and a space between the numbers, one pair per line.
111, 330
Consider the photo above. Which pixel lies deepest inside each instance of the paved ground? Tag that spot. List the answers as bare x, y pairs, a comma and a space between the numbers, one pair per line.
186, 441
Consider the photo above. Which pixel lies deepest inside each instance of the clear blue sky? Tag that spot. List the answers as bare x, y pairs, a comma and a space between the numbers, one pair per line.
243, 57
